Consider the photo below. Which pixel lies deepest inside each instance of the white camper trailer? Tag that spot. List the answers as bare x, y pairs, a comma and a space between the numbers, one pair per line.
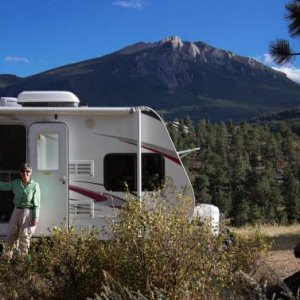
81, 157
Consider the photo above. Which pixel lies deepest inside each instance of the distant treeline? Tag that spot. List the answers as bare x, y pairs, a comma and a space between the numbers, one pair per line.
251, 171
293, 113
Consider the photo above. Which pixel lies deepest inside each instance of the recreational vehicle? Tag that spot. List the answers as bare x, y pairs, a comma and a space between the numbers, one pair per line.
82, 156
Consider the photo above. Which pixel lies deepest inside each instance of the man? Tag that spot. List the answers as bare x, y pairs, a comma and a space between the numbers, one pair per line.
25, 215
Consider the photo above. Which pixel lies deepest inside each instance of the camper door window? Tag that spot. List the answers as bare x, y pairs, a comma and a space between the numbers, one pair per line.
120, 171
47, 151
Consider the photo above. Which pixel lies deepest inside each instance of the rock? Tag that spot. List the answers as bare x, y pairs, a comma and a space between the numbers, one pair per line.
297, 251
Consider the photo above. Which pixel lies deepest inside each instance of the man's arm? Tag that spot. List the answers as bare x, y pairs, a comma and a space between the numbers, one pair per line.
6, 186
36, 205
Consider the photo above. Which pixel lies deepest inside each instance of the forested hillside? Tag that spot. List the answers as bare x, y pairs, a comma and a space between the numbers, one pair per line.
250, 171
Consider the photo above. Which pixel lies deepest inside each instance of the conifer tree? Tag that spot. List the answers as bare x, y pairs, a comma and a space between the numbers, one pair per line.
281, 50
292, 198
201, 187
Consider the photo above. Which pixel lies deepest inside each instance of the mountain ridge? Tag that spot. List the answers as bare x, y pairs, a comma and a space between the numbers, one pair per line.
175, 77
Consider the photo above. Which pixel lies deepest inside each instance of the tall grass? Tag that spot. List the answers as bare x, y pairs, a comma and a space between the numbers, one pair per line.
281, 236
272, 231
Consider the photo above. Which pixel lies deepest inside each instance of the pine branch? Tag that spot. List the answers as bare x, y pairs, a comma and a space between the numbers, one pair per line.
281, 52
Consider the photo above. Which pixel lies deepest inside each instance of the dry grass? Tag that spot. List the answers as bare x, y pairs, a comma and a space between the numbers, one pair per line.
283, 237
280, 260
277, 230
270, 230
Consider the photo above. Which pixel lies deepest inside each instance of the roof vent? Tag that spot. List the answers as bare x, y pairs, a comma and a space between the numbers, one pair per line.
9, 102
48, 98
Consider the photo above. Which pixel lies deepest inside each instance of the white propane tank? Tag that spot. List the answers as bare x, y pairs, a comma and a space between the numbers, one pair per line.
208, 214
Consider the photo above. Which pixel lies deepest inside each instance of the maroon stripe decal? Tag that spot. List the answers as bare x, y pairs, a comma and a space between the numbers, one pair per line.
132, 142
91, 194
174, 159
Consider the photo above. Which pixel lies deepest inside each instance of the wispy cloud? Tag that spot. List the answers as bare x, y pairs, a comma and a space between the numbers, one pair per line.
267, 59
16, 59
291, 71
134, 4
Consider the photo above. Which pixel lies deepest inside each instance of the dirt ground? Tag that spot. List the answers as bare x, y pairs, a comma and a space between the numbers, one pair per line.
280, 261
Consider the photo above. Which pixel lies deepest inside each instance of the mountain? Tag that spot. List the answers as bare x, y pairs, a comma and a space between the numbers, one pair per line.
175, 77
7, 79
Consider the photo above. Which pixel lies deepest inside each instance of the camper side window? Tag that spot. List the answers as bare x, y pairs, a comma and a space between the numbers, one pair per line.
12, 154
153, 171
120, 171
12, 146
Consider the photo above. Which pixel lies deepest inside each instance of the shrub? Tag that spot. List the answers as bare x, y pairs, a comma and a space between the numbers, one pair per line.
18, 280
65, 265
161, 247
157, 252
70, 262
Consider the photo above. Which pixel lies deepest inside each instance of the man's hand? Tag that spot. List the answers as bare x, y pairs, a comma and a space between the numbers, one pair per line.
34, 222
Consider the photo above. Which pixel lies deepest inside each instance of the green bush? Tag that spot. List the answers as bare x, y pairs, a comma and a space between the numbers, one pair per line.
161, 247
71, 262
65, 265
157, 252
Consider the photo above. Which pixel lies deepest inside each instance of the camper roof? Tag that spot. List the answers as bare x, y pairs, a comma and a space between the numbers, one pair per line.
48, 98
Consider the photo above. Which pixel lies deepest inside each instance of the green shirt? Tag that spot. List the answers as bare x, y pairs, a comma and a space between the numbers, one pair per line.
28, 196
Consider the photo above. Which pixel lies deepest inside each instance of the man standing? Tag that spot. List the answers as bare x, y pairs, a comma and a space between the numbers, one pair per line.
25, 215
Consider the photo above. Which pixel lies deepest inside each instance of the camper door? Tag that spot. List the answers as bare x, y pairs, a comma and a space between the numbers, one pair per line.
48, 150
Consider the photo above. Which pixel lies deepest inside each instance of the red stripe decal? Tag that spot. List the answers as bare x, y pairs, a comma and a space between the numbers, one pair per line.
91, 194
174, 159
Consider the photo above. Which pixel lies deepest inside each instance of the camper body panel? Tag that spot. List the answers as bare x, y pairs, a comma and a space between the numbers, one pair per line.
74, 151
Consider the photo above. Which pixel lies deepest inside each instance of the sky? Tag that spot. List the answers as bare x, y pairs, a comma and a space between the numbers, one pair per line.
39, 35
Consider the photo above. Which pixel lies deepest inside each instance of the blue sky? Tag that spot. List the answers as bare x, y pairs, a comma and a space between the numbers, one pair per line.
39, 35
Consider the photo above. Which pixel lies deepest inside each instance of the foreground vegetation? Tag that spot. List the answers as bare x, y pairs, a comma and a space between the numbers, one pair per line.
157, 253
249, 170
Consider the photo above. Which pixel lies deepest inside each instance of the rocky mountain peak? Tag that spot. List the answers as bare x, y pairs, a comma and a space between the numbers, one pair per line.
175, 41
176, 63
193, 50
188, 50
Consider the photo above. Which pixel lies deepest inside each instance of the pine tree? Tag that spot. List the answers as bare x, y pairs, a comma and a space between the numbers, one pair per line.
201, 188
281, 50
241, 212
292, 197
